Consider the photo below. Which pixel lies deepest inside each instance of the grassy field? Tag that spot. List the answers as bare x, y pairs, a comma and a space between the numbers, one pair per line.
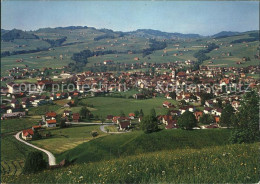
67, 138
11, 149
14, 125
220, 164
107, 105
121, 145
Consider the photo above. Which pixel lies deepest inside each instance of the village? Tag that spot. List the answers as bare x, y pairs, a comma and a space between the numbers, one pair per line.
203, 92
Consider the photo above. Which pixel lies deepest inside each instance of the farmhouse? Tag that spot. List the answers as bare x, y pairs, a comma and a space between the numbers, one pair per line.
123, 125
27, 134
50, 115
51, 123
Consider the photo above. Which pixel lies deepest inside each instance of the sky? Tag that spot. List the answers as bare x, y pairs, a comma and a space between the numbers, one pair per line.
201, 17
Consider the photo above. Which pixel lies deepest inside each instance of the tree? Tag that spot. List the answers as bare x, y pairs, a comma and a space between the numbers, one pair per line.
219, 103
102, 119
149, 124
141, 114
153, 113
62, 123
172, 95
206, 119
94, 134
136, 113
122, 114
187, 121
246, 126
226, 116
84, 112
76, 101
34, 162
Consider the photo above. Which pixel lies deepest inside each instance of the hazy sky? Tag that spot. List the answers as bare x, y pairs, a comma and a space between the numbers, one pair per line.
204, 18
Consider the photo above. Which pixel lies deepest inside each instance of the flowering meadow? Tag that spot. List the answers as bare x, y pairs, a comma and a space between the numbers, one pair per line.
238, 163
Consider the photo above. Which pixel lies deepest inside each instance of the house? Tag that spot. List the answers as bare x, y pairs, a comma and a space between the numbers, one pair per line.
12, 115
115, 118
131, 115
217, 119
109, 117
25, 102
139, 96
36, 127
212, 126
198, 114
207, 110
235, 104
14, 103
209, 103
123, 125
183, 109
27, 134
175, 112
218, 112
171, 124
51, 123
50, 115
168, 96
121, 119
167, 104
66, 113
75, 117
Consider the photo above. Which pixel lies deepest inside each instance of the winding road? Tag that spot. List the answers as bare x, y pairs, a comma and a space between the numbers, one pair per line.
52, 159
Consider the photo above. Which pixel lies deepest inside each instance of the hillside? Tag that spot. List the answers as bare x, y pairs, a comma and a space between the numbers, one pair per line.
149, 33
17, 34
221, 164
114, 146
224, 34
120, 47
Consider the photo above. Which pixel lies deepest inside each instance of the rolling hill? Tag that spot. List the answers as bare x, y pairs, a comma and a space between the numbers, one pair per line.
17, 34
65, 41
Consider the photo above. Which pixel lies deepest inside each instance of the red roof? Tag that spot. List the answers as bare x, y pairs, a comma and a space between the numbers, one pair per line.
166, 103
51, 114
52, 121
181, 74
131, 114
28, 132
36, 126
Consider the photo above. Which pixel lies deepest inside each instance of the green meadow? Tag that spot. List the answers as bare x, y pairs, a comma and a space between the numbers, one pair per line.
219, 164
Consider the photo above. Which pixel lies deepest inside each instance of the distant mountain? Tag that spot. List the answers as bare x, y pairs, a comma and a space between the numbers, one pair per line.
150, 33
3, 31
224, 34
17, 34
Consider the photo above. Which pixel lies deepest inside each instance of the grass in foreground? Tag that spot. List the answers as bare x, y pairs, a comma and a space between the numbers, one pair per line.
133, 143
67, 138
224, 164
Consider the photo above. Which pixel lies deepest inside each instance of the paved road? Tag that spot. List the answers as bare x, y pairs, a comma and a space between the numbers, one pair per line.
52, 159
102, 128
85, 123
